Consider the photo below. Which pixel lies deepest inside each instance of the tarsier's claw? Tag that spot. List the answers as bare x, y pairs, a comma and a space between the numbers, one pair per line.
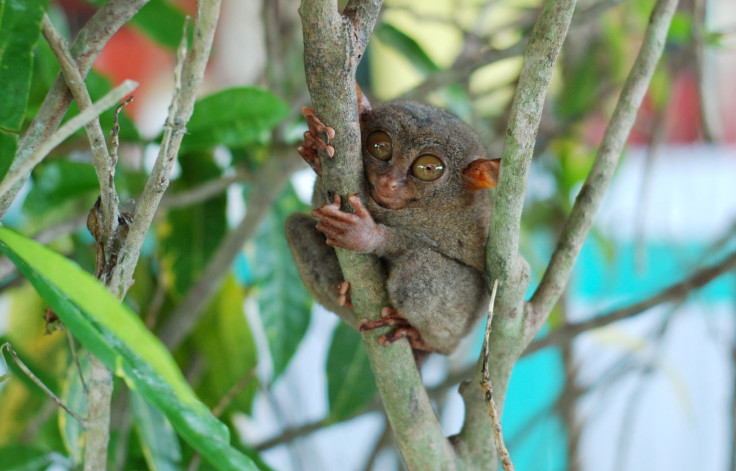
344, 298
319, 135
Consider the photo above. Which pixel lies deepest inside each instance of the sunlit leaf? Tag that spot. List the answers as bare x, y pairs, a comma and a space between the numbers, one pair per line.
228, 348
20, 28
283, 301
235, 117
119, 339
350, 383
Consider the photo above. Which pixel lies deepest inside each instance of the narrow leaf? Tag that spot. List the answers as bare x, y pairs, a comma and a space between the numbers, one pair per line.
120, 340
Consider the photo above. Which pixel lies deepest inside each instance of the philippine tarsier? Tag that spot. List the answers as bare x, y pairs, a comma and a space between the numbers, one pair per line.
424, 212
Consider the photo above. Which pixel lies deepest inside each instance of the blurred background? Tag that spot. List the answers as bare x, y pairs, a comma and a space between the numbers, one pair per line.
653, 390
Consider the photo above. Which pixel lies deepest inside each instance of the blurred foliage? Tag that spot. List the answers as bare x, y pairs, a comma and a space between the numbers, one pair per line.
261, 302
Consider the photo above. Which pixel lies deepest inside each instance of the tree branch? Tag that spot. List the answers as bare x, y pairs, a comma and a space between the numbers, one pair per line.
675, 292
333, 46
20, 173
581, 217
190, 72
475, 442
103, 164
90, 41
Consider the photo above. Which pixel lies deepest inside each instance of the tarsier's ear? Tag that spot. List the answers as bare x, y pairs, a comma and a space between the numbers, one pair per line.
364, 106
482, 173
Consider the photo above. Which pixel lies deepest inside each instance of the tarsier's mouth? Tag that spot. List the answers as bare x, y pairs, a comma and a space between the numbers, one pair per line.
392, 201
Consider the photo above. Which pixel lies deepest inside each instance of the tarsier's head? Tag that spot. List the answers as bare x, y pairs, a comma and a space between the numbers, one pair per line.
414, 153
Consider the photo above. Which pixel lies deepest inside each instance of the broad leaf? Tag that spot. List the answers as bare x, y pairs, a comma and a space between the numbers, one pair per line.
350, 383
58, 182
20, 28
283, 301
236, 117
120, 340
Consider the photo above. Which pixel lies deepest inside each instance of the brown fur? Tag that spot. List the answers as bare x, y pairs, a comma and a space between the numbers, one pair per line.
432, 242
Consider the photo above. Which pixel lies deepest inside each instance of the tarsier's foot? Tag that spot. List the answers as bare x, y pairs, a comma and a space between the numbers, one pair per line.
344, 298
391, 317
316, 139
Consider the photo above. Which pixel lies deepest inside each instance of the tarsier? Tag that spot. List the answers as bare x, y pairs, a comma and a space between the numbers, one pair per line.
424, 212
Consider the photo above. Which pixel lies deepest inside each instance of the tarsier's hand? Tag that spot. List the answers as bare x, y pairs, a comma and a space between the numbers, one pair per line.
316, 139
353, 231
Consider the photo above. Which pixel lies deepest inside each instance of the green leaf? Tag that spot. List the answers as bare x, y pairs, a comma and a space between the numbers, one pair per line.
8, 144
28, 458
350, 383
162, 22
74, 396
20, 28
236, 117
119, 339
282, 299
192, 234
59, 181
407, 47
228, 348
157, 439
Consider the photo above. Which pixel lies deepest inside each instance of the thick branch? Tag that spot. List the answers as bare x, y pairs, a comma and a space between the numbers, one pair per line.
180, 110
581, 217
504, 262
676, 292
333, 46
90, 41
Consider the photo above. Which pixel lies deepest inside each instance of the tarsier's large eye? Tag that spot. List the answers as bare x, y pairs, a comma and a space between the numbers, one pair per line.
427, 168
379, 145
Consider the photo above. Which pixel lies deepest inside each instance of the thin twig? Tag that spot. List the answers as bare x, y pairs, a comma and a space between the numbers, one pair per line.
69, 128
88, 45
487, 387
234, 391
38, 382
674, 292
104, 166
579, 222
73, 348
188, 76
